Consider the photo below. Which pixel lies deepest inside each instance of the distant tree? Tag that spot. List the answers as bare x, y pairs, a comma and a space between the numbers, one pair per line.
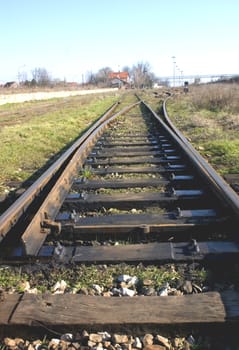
41, 76
126, 69
142, 76
90, 77
33, 83
22, 76
102, 76
150, 79
26, 83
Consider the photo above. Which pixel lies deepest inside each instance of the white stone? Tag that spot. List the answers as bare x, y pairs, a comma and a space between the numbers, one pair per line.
133, 281
120, 339
95, 337
126, 292
128, 279
55, 341
9, 342
58, 250
32, 291
148, 339
105, 335
60, 286
25, 286
116, 291
191, 340
163, 341
163, 292
137, 344
97, 288
67, 337
123, 278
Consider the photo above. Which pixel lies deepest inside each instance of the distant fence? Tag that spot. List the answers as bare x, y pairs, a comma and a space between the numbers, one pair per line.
33, 96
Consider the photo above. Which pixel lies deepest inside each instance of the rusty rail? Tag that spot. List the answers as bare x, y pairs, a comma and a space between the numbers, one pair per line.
53, 186
44, 216
217, 183
223, 189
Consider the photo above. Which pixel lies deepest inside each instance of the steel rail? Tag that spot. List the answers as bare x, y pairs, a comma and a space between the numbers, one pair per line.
12, 215
42, 221
31, 312
217, 184
62, 173
223, 188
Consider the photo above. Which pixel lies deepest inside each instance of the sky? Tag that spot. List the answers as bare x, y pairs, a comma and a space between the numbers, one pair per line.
70, 38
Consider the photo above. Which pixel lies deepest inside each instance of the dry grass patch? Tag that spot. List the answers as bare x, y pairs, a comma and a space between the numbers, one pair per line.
209, 116
216, 97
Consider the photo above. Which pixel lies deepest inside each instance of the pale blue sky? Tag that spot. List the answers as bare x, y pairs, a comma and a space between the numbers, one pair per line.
71, 37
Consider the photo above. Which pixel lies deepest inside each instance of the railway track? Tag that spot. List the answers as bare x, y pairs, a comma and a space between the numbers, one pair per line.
131, 190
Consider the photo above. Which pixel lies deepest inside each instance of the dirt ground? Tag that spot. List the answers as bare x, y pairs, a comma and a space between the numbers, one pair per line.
24, 113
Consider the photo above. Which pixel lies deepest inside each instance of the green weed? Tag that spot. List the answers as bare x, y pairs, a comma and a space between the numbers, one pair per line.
86, 173
36, 140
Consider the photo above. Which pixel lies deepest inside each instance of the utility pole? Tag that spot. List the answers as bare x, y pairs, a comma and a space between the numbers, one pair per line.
174, 64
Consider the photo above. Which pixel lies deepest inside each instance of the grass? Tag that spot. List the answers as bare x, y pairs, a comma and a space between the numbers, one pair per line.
109, 191
86, 173
34, 133
35, 136
44, 277
78, 277
216, 98
13, 279
223, 154
209, 117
